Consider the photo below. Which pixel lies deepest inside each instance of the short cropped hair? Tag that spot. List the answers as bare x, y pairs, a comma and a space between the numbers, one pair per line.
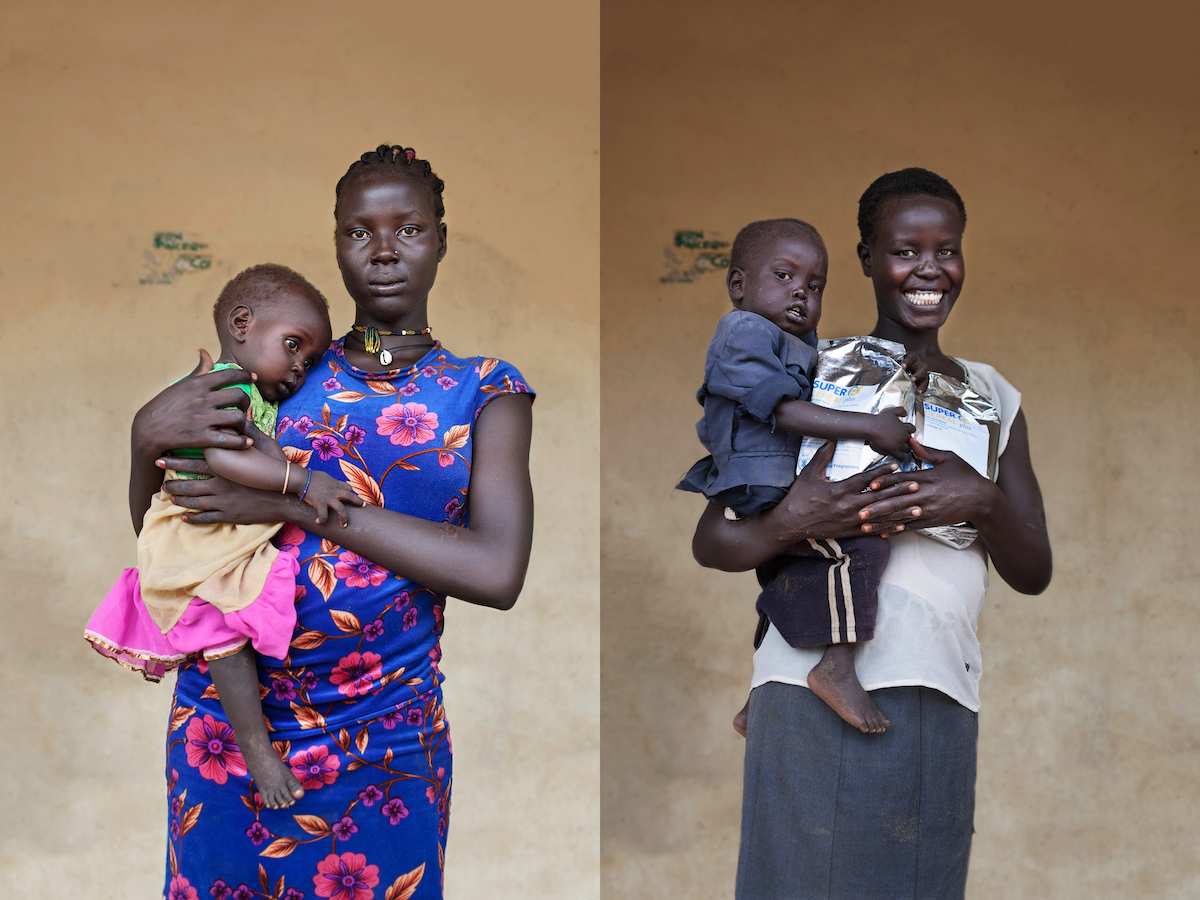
755, 239
259, 286
905, 183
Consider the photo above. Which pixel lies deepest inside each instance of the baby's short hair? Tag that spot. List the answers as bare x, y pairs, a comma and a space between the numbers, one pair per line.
753, 240
260, 286
905, 183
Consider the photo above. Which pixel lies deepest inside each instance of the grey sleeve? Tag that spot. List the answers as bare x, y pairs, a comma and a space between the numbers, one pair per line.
749, 370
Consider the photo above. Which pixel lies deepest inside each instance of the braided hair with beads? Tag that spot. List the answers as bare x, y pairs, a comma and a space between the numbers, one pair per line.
401, 161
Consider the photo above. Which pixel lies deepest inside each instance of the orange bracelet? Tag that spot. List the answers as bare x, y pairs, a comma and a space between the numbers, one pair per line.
286, 472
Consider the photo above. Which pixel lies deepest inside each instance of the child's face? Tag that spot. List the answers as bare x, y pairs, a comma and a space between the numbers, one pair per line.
389, 244
280, 344
784, 286
916, 261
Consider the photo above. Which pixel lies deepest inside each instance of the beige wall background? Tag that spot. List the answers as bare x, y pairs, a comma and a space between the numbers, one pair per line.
229, 124
1071, 130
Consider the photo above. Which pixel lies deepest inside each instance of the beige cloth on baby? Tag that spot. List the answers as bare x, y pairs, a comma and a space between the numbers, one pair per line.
225, 565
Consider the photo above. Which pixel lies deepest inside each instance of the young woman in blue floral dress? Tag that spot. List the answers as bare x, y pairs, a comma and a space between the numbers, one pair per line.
438, 446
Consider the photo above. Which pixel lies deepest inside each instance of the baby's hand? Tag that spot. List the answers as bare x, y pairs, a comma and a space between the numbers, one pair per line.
325, 493
888, 435
917, 371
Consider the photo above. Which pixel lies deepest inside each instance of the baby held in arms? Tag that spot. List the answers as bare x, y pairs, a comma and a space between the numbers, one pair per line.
757, 385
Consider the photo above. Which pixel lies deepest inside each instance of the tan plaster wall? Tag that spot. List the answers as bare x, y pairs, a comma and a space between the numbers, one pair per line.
1071, 130
230, 122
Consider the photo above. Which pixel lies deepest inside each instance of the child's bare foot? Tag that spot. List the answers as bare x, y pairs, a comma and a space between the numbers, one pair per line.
741, 719
834, 680
236, 679
273, 779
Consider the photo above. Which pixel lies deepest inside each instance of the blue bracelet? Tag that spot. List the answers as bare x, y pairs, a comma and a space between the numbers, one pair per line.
307, 482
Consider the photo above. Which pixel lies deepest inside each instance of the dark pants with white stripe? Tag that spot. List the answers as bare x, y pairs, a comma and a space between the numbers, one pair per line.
823, 592
830, 813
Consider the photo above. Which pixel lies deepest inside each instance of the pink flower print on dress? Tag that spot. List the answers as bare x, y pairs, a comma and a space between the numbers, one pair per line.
407, 390
303, 424
345, 877
181, 889
212, 749
356, 673
331, 383
358, 572
429, 371
408, 423
447, 382
315, 767
326, 446
290, 539
354, 435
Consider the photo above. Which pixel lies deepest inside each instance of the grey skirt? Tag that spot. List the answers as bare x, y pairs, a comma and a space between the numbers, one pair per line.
830, 813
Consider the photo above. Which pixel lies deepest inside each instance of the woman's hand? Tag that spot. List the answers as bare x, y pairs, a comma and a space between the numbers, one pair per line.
1008, 513
216, 501
949, 493
813, 508
189, 413
192, 412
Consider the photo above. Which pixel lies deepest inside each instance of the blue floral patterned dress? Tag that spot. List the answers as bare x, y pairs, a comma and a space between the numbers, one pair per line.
356, 708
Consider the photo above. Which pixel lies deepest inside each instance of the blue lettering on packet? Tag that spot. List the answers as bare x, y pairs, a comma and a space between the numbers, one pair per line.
939, 412
828, 387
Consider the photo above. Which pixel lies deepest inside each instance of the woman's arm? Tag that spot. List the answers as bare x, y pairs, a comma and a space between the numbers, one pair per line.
321, 491
813, 508
483, 564
1008, 512
190, 413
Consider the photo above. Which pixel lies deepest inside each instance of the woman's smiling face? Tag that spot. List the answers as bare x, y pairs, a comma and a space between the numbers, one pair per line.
915, 261
389, 243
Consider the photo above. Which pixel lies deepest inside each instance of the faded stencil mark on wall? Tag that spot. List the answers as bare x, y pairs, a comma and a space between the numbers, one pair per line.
172, 255
692, 254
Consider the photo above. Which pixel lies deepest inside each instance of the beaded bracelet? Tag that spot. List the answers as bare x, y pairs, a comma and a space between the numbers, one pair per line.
307, 482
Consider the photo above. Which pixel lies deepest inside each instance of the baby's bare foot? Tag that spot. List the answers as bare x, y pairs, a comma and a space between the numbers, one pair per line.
741, 720
834, 680
273, 779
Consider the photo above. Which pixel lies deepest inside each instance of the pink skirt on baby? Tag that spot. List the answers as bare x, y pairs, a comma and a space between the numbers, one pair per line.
122, 629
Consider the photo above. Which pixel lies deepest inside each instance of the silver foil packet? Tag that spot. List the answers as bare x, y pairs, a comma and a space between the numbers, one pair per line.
866, 374
951, 416
858, 374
